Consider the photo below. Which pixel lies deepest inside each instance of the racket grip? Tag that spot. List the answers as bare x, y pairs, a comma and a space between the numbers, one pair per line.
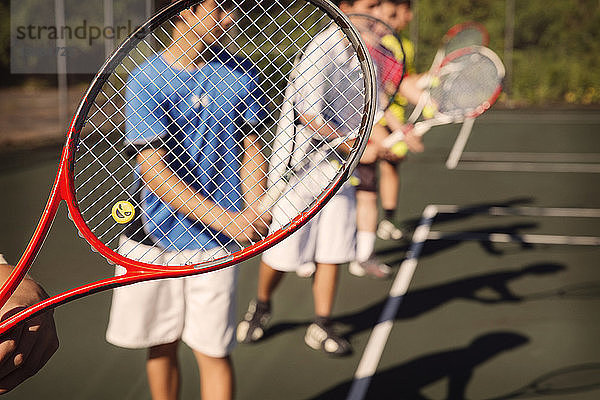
425, 81
270, 197
394, 138
421, 128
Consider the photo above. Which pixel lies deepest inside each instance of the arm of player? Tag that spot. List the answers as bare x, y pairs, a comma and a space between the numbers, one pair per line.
326, 131
157, 175
374, 149
410, 88
254, 179
26, 348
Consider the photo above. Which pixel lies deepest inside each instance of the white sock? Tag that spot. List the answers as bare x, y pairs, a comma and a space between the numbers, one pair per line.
365, 245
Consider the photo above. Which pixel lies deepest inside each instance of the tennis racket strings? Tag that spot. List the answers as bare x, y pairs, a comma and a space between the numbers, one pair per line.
387, 53
174, 88
467, 83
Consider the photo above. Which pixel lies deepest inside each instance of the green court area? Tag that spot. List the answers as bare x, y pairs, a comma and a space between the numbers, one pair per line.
497, 296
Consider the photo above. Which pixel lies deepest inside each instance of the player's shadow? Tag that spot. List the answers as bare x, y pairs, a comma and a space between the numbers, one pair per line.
406, 380
395, 254
488, 289
469, 211
491, 288
570, 380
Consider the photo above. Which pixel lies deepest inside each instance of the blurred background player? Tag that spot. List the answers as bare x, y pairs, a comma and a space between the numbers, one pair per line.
25, 349
173, 119
328, 239
397, 14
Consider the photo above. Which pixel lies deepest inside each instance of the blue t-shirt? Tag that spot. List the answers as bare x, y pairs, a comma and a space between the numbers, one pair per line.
195, 116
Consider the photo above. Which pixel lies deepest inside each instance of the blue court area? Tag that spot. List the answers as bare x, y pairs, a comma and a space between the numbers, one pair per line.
495, 297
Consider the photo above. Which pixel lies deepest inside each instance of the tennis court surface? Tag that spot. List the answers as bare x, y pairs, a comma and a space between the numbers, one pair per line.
497, 296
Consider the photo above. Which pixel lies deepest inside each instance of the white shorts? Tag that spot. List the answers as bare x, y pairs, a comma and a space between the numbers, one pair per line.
2, 260
329, 237
199, 310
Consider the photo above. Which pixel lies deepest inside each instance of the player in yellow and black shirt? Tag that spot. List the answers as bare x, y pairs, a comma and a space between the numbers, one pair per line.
397, 14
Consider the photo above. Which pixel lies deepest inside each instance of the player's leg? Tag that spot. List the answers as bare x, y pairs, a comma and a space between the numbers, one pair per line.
284, 257
162, 368
366, 220
252, 327
324, 289
268, 281
216, 377
388, 189
150, 315
334, 245
320, 335
209, 329
366, 223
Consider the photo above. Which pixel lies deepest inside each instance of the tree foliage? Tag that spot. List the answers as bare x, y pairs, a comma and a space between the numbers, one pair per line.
556, 55
556, 44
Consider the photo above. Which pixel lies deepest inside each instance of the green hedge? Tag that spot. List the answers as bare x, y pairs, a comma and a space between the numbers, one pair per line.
556, 44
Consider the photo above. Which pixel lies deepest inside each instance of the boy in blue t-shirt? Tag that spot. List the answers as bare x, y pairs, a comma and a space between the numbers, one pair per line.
185, 118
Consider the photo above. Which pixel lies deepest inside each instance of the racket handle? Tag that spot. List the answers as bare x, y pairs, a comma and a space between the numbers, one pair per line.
268, 200
394, 138
421, 128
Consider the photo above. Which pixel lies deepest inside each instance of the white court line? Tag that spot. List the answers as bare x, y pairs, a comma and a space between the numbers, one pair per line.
519, 238
523, 211
531, 157
541, 118
461, 142
380, 334
367, 366
528, 167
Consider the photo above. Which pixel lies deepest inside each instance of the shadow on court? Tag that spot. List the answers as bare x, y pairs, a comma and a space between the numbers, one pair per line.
406, 380
564, 381
487, 289
395, 254
468, 211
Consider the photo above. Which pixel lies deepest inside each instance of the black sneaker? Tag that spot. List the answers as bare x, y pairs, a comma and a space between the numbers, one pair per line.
252, 328
321, 336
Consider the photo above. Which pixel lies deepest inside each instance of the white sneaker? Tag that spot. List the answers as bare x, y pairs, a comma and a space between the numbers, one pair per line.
386, 230
372, 267
306, 270
324, 338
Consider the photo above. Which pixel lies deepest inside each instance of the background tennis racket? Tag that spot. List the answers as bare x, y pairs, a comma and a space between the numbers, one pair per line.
465, 85
95, 175
387, 52
461, 35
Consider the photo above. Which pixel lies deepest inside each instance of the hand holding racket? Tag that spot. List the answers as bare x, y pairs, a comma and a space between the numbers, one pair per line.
163, 169
465, 85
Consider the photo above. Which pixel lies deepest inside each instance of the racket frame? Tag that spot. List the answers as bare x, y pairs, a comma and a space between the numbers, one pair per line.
399, 39
64, 189
420, 128
452, 33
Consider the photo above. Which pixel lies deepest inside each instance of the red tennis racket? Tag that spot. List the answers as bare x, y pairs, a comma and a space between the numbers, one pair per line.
465, 85
117, 180
387, 52
461, 35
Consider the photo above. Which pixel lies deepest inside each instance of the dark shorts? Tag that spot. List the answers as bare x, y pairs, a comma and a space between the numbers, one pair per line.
367, 174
